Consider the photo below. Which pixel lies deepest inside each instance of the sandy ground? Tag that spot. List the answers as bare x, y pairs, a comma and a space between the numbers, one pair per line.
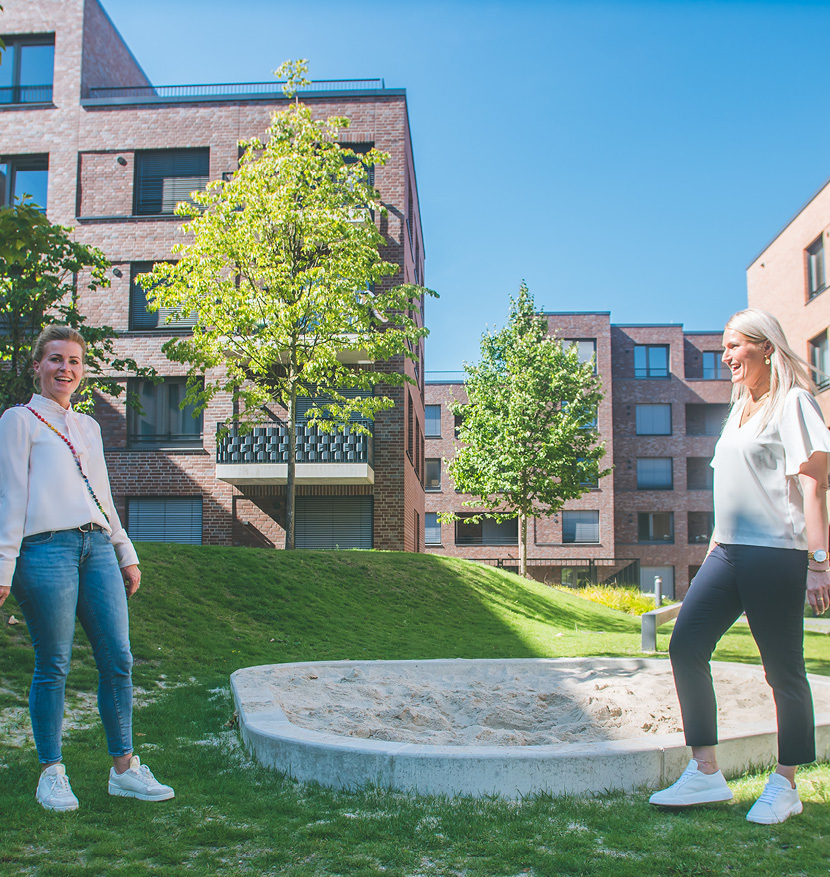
538, 704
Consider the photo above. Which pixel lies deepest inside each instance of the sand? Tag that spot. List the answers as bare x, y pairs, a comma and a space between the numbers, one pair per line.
540, 704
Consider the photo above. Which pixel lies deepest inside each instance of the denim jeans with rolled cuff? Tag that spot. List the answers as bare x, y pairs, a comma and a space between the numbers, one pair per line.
59, 575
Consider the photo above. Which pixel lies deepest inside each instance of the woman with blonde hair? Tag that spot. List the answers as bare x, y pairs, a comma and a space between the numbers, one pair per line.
769, 547
64, 553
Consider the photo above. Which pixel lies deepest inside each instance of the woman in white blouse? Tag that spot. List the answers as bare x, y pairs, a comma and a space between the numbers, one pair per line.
63, 552
769, 548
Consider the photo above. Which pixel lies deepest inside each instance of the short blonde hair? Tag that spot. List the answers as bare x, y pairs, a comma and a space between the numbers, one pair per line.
787, 369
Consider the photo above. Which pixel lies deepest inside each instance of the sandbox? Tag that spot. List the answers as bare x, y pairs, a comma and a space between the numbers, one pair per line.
507, 727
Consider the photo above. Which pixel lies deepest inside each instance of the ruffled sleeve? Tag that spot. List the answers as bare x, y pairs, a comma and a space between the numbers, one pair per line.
802, 430
14, 489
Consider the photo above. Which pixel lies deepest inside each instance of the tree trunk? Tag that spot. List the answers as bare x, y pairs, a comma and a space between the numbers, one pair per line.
523, 546
290, 487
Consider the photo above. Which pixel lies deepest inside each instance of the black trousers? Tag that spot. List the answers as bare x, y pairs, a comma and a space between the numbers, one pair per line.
770, 585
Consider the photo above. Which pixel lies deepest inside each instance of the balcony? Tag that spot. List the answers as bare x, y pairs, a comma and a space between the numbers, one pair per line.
26, 94
261, 455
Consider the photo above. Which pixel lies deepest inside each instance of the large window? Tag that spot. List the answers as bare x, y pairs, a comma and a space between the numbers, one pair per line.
334, 522
655, 527
653, 419
705, 419
165, 177
24, 178
27, 70
586, 349
140, 316
580, 526
713, 367
432, 479
651, 361
432, 421
699, 473
162, 422
816, 272
820, 360
432, 529
654, 473
701, 525
486, 532
165, 519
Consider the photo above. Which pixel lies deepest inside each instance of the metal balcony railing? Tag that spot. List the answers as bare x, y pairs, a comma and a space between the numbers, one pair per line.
268, 443
26, 94
231, 89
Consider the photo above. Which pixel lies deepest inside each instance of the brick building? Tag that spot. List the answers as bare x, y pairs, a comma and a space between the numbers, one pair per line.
789, 279
84, 132
666, 395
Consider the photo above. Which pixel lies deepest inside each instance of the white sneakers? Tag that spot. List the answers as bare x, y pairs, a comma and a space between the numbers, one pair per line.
777, 803
54, 791
138, 782
693, 787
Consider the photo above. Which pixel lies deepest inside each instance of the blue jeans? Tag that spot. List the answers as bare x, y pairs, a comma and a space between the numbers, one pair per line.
59, 575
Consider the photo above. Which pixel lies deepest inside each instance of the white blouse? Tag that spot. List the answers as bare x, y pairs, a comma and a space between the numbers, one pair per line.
41, 488
758, 498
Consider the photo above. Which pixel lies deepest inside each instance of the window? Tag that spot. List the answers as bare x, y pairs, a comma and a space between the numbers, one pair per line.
432, 529
458, 420
24, 178
140, 316
653, 419
432, 421
701, 525
649, 573
655, 527
432, 481
651, 361
713, 367
165, 177
654, 473
816, 275
332, 522
165, 519
162, 423
580, 526
699, 473
487, 532
820, 360
705, 419
28, 70
586, 349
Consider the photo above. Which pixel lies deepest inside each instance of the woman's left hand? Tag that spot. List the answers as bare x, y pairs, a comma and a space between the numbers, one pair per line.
132, 578
818, 590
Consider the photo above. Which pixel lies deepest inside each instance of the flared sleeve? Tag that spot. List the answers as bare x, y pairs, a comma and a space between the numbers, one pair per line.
802, 430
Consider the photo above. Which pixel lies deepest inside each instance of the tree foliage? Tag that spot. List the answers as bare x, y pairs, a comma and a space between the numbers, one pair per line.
39, 269
283, 275
528, 441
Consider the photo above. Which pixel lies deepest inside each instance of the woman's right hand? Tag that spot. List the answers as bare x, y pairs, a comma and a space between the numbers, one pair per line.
4, 592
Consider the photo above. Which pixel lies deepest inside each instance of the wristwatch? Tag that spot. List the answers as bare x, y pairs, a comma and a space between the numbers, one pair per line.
819, 555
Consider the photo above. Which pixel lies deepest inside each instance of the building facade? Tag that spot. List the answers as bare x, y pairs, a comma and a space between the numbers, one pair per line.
789, 279
83, 132
665, 397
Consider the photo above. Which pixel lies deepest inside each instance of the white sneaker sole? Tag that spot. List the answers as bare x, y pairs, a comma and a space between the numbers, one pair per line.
774, 820
58, 808
141, 796
694, 800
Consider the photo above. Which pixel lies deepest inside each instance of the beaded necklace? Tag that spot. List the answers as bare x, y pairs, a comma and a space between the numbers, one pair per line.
74, 454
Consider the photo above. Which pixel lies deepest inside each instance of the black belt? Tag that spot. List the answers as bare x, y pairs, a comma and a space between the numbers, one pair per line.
90, 528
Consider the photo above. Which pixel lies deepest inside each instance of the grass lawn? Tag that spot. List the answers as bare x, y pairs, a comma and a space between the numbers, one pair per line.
203, 612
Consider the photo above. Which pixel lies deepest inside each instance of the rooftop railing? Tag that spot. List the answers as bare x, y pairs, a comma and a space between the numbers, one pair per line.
231, 89
26, 94
444, 377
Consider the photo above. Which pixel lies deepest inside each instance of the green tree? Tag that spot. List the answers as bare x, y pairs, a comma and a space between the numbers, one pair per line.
40, 266
283, 276
528, 440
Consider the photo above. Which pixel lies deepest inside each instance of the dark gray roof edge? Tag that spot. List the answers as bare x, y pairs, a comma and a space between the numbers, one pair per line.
92, 102
575, 313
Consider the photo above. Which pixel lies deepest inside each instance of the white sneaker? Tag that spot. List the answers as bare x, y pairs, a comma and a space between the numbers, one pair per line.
54, 791
777, 803
138, 782
693, 787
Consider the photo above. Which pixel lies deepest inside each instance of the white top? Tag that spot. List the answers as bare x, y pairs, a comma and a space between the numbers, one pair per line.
41, 488
758, 499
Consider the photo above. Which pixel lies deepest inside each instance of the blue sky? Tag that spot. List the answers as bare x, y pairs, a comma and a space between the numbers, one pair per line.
630, 157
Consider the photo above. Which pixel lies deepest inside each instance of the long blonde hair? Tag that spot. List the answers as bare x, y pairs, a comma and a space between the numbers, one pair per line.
787, 369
